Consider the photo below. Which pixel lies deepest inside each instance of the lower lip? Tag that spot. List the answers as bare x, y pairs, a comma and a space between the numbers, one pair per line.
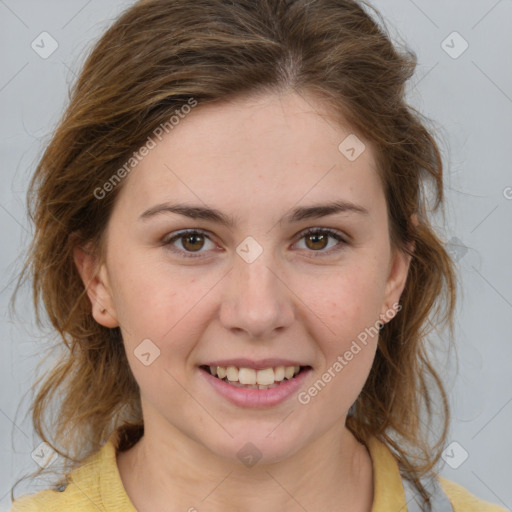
256, 397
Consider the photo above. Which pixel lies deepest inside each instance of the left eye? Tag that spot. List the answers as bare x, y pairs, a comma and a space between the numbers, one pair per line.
316, 239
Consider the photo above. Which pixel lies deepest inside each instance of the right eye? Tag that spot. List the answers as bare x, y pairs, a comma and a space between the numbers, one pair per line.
191, 241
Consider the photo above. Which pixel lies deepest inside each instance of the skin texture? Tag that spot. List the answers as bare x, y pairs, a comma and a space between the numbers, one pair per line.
254, 159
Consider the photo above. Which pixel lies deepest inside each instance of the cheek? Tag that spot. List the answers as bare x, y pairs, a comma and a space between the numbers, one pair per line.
346, 333
153, 297
347, 308
164, 306
349, 300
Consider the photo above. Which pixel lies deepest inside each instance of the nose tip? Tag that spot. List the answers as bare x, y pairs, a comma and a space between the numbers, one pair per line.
256, 301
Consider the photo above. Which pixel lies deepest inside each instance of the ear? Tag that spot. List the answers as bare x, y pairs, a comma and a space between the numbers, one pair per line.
97, 286
397, 277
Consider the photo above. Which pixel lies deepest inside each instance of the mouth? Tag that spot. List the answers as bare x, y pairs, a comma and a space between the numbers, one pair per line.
249, 378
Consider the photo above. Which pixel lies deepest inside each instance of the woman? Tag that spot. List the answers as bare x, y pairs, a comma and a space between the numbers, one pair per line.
232, 240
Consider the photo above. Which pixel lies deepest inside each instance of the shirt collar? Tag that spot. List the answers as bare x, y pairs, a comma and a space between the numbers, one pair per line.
388, 491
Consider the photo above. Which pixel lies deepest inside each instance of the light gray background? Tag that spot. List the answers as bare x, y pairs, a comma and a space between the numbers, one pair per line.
470, 100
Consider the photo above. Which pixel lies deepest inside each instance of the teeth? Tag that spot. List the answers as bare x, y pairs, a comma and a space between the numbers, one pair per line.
279, 373
232, 373
257, 379
289, 371
248, 376
254, 386
263, 377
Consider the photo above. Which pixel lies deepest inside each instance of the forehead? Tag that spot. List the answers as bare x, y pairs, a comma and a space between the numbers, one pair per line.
255, 153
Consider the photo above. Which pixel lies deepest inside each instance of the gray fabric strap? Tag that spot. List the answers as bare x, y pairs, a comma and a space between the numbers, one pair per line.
414, 501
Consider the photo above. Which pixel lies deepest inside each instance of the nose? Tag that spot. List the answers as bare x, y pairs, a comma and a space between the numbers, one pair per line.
257, 300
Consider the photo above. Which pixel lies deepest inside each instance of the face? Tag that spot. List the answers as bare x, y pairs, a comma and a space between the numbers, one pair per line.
250, 280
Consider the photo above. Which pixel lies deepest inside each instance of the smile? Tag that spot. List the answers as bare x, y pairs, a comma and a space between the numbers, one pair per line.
250, 378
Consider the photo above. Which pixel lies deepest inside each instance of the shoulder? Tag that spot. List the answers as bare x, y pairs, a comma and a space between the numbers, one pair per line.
393, 492
83, 492
463, 501
52, 500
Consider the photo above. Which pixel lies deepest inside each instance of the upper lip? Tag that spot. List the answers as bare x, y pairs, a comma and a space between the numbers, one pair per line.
260, 364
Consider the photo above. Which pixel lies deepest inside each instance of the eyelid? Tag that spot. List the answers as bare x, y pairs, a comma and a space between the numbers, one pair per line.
342, 238
335, 233
330, 232
168, 241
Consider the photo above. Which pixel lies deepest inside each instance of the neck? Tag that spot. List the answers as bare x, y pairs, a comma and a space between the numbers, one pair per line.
173, 472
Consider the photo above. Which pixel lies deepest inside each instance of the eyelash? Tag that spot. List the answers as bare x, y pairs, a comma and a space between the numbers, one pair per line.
311, 231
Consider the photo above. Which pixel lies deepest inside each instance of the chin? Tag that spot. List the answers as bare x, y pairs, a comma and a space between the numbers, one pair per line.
252, 448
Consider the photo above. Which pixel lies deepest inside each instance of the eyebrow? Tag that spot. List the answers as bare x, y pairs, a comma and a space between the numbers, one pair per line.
315, 211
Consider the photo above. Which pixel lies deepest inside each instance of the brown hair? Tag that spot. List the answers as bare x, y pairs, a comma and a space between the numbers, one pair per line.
153, 59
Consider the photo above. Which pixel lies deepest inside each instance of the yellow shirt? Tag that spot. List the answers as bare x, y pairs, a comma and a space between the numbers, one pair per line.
96, 486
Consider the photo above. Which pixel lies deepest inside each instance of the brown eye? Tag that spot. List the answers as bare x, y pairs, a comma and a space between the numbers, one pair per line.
192, 242
189, 243
316, 241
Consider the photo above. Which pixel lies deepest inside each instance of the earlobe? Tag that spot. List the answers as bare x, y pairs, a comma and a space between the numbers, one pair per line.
97, 286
